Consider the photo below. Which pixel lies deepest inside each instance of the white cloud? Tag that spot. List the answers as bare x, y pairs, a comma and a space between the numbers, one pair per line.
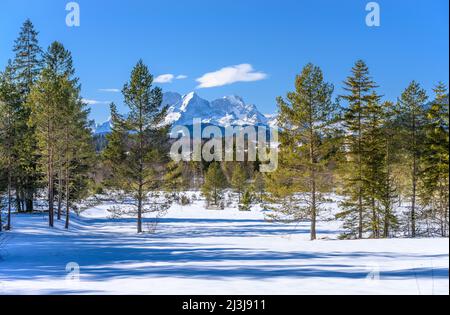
230, 75
95, 102
168, 78
165, 78
110, 90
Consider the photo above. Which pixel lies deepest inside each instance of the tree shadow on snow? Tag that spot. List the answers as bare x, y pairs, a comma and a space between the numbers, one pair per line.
104, 255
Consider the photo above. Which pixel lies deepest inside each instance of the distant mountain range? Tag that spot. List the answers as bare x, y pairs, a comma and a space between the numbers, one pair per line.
223, 112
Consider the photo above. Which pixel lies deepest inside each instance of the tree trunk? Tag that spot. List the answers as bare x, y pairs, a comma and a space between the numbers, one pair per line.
313, 187
360, 199
388, 202
139, 221
8, 226
386, 225
29, 202
413, 202
50, 191
375, 227
67, 199
215, 196
443, 205
18, 202
313, 216
60, 189
414, 180
141, 170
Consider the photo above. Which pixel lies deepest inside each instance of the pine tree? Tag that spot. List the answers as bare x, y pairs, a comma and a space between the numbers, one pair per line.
412, 118
173, 179
142, 138
247, 199
435, 159
45, 101
59, 62
304, 119
360, 88
215, 182
373, 160
78, 154
238, 180
27, 66
59, 120
115, 152
259, 185
9, 106
75, 150
389, 188
28, 60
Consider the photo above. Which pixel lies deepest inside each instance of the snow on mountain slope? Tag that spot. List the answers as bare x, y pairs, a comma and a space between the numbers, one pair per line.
226, 111
223, 112
104, 128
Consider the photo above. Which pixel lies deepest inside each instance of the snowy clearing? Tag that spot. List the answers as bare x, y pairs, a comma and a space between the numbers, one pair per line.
202, 252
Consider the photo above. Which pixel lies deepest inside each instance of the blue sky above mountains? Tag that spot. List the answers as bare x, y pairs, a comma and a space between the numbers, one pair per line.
251, 48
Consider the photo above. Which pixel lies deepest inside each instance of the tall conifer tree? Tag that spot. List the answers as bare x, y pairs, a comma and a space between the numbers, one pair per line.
141, 138
360, 93
9, 107
215, 182
27, 66
305, 119
435, 159
412, 117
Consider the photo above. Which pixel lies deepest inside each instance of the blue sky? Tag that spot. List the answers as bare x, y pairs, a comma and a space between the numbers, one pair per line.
277, 38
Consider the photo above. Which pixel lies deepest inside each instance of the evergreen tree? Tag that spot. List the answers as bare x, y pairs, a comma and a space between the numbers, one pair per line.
78, 153
215, 182
435, 159
238, 180
259, 185
304, 119
412, 118
373, 160
389, 189
46, 99
27, 66
174, 180
116, 150
247, 199
58, 61
9, 106
141, 138
28, 59
59, 119
360, 88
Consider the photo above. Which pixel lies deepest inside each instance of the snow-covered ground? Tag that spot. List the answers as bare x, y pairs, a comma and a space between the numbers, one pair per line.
204, 252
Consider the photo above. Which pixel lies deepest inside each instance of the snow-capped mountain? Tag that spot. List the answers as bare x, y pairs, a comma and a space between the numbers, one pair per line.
223, 112
103, 129
226, 111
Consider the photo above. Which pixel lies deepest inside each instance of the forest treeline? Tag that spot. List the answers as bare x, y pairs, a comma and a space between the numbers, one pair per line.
386, 160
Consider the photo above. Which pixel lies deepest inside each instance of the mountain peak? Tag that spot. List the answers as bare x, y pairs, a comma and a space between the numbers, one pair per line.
234, 98
190, 95
226, 111
104, 128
